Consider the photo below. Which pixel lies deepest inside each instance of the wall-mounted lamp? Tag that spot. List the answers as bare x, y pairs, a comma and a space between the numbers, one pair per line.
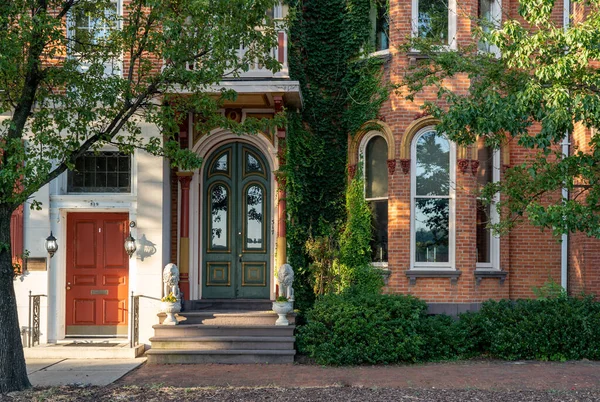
51, 244
130, 246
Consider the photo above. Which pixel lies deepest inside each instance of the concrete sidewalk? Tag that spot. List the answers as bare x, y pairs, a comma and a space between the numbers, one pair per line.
54, 372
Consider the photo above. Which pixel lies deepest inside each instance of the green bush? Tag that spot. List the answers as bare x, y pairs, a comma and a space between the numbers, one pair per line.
356, 328
561, 328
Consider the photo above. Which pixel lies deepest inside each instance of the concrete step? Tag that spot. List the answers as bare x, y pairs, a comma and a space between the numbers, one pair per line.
223, 317
196, 330
229, 304
225, 343
75, 350
192, 356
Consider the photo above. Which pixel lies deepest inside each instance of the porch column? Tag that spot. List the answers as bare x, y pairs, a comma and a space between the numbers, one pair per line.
281, 194
184, 233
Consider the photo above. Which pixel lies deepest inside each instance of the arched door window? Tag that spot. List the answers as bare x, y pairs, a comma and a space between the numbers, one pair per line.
432, 200
375, 153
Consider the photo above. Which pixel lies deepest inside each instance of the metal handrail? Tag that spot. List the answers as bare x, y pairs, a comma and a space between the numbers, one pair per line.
34, 320
134, 338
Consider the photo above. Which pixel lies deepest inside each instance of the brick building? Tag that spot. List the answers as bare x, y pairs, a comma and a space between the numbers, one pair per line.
225, 225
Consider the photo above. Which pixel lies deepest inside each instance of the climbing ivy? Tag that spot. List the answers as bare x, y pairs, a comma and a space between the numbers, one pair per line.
342, 89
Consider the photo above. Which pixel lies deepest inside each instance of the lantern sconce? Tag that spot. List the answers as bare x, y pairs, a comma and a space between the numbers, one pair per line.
130, 246
51, 245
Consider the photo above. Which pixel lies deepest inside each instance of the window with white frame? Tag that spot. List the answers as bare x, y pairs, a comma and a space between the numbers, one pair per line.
435, 20
432, 200
90, 25
489, 15
487, 244
375, 150
100, 172
380, 24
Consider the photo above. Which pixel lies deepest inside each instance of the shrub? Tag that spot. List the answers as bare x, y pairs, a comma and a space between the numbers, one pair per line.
560, 328
356, 328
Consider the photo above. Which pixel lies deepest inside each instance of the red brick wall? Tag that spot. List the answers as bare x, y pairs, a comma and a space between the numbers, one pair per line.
529, 255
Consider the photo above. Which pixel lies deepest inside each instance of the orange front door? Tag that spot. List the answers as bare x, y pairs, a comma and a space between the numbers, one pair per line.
97, 274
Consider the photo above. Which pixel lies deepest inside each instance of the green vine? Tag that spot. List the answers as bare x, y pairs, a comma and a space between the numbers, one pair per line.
342, 89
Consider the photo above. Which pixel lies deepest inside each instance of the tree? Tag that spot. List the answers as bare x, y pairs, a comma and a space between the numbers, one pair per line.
545, 83
67, 90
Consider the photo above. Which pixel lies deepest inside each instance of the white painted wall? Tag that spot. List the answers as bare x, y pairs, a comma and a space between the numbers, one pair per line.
148, 205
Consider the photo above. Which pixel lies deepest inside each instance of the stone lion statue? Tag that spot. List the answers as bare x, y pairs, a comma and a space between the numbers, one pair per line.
285, 277
171, 280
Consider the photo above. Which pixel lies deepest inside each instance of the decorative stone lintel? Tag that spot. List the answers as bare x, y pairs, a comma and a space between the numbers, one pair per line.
489, 273
463, 165
474, 166
405, 165
391, 164
414, 274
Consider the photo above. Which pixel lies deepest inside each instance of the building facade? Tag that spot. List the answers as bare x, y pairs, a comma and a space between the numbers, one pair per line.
225, 224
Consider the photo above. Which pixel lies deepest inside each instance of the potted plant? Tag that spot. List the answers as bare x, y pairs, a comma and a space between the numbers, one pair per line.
170, 305
282, 306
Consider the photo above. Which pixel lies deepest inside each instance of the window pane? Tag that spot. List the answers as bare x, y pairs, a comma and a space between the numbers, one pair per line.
485, 155
433, 165
220, 165
105, 172
433, 20
379, 242
432, 229
254, 218
380, 26
376, 173
483, 233
219, 203
252, 164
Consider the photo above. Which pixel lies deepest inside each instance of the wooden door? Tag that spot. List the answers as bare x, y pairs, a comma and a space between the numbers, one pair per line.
97, 274
236, 231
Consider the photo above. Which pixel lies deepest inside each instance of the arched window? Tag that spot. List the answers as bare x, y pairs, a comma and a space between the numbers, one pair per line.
432, 200
375, 153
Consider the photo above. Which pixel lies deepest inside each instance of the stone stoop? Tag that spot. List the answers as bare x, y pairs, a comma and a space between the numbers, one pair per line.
77, 349
221, 336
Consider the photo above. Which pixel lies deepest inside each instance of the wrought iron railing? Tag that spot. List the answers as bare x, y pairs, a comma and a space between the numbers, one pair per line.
134, 338
34, 320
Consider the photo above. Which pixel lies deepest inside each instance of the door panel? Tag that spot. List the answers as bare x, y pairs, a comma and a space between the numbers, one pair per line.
97, 274
236, 199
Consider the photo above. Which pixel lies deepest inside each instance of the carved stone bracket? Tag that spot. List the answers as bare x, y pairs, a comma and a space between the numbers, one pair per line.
391, 164
351, 171
474, 167
405, 165
463, 165
482, 274
413, 275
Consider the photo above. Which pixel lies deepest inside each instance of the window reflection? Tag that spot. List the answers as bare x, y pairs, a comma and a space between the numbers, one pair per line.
254, 218
219, 206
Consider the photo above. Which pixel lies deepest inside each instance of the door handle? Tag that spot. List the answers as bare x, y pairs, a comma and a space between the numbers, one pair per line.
240, 257
68, 288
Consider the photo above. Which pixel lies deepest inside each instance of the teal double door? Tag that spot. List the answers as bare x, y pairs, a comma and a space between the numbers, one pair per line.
236, 201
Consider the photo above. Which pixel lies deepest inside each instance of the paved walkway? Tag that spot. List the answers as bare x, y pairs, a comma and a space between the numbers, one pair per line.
53, 372
485, 375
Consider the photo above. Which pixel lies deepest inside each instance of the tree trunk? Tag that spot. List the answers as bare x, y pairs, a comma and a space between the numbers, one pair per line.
13, 373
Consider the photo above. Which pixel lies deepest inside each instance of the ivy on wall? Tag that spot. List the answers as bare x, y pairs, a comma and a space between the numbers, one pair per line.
342, 89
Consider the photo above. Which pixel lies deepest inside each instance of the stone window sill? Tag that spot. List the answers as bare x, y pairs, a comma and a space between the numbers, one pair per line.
414, 274
489, 273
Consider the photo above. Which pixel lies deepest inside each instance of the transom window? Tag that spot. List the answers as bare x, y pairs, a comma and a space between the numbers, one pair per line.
104, 172
375, 153
435, 20
432, 189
